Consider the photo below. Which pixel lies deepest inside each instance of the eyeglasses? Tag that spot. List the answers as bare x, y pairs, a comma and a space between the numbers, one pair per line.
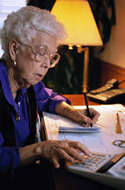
119, 143
43, 52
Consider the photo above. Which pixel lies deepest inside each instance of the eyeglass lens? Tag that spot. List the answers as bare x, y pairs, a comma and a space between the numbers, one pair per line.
43, 51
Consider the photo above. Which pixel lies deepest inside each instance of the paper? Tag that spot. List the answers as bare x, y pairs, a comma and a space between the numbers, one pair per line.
102, 141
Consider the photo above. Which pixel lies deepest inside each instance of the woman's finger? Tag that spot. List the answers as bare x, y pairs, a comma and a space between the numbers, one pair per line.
65, 154
55, 162
72, 150
79, 146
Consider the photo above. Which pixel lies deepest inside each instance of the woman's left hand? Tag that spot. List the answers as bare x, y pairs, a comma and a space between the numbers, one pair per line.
56, 150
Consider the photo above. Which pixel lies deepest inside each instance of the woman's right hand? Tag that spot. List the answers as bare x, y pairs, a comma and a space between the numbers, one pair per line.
55, 150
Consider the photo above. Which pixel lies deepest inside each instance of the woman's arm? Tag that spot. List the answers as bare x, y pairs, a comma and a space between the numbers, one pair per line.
68, 111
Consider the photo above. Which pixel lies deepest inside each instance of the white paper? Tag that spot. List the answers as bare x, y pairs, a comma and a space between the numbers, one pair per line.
96, 142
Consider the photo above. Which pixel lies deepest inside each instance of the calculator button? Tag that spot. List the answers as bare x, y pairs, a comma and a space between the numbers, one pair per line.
94, 162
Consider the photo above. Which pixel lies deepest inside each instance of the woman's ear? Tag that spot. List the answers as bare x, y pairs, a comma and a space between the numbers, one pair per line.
12, 49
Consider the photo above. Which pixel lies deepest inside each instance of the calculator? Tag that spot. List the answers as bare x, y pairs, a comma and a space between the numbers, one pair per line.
97, 162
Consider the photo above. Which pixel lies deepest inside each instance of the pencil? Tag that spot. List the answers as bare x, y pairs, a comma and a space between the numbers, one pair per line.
87, 106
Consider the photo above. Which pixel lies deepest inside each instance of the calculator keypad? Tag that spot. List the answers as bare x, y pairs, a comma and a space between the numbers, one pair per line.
94, 162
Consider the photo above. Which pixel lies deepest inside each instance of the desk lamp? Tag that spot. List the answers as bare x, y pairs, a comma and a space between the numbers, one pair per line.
79, 22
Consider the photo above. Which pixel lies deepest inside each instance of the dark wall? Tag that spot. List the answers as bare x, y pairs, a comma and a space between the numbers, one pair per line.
43, 4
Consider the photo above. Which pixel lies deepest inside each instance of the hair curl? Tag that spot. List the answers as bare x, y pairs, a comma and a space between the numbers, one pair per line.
25, 24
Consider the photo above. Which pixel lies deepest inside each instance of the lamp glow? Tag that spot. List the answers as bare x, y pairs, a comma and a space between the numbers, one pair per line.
80, 25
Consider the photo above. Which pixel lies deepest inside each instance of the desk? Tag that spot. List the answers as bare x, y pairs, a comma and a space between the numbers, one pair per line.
78, 99
65, 180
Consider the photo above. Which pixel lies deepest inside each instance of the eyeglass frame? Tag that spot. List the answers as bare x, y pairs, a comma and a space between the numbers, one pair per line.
119, 143
50, 56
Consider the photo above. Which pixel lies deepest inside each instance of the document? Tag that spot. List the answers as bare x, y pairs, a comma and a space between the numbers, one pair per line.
98, 138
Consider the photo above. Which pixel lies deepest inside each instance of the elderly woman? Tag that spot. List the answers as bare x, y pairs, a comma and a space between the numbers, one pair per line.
30, 38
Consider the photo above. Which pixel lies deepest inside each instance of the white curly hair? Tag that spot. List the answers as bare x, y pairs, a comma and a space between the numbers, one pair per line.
25, 24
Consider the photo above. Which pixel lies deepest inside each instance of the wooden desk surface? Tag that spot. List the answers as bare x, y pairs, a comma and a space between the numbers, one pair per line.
78, 99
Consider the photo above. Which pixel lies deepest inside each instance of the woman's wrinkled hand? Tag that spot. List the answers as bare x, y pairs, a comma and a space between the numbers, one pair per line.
55, 150
87, 121
79, 116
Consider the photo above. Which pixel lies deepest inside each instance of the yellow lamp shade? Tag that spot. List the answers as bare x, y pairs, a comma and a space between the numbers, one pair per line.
79, 22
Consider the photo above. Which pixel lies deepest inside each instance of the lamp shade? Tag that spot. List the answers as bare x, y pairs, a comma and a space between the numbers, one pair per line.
79, 22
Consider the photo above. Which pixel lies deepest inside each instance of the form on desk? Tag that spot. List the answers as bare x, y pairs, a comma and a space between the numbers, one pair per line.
98, 140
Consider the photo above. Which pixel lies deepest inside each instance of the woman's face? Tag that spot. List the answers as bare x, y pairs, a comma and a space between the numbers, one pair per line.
31, 68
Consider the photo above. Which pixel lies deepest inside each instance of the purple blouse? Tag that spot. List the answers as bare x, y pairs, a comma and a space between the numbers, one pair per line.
47, 100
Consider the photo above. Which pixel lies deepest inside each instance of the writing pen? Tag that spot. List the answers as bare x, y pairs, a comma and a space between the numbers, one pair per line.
87, 106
